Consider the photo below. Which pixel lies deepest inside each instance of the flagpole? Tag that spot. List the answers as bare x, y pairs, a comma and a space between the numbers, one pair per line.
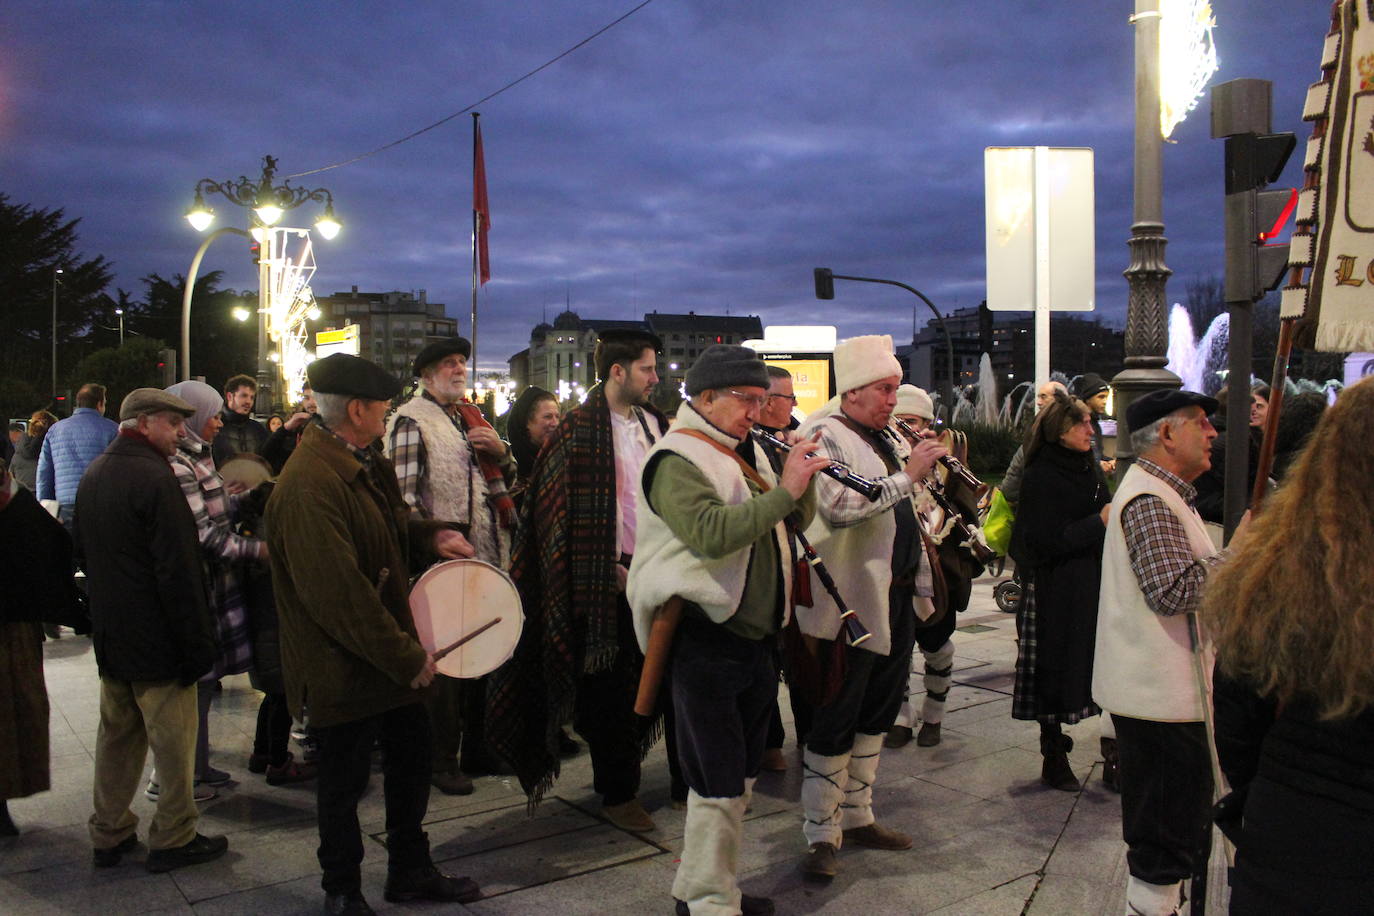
472, 359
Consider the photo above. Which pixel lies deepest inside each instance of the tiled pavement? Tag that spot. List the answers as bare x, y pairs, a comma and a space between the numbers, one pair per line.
990, 839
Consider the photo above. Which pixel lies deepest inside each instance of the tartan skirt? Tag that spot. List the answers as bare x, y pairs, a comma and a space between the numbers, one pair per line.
1025, 702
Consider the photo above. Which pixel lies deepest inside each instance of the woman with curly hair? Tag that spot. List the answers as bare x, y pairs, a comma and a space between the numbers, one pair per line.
24, 465
1057, 546
1292, 616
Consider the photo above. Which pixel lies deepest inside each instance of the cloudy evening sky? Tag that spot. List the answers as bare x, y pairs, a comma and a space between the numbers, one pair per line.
703, 154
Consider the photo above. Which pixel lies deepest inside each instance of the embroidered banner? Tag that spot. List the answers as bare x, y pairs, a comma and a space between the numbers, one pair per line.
1333, 242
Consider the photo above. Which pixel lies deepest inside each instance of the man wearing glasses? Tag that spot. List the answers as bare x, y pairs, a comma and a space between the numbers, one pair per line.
712, 540
875, 553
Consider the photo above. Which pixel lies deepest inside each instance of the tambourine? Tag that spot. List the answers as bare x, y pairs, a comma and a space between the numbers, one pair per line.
246, 468
468, 615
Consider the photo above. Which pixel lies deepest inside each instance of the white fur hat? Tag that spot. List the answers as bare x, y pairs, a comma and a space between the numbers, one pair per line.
860, 361
914, 402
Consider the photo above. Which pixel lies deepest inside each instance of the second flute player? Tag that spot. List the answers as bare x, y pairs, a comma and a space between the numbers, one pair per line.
877, 555
712, 536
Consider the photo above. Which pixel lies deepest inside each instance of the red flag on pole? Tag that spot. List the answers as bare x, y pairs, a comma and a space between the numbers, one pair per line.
481, 211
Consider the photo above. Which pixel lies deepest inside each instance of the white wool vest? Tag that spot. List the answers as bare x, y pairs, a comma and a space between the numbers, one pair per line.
1143, 667
859, 556
663, 566
451, 476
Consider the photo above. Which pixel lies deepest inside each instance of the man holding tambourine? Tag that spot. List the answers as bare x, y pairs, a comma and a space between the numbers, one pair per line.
452, 466
341, 541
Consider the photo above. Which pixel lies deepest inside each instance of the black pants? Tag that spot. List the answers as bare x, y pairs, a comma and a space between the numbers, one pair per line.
604, 715
273, 736
874, 686
444, 704
724, 689
1166, 797
344, 767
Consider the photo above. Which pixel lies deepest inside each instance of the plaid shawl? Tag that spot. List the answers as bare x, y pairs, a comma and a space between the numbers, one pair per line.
563, 562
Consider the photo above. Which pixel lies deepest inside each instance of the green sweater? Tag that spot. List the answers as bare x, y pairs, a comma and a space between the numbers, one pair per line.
689, 505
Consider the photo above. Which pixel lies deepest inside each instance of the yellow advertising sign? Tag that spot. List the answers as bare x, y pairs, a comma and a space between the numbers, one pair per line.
340, 340
810, 379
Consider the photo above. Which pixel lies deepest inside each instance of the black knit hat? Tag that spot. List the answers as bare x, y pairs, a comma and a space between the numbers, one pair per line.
1089, 384
726, 365
436, 351
342, 373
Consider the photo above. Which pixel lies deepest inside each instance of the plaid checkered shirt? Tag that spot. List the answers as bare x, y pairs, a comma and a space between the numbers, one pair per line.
1170, 576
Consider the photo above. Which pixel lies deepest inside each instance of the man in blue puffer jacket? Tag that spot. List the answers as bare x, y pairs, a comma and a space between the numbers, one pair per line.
70, 446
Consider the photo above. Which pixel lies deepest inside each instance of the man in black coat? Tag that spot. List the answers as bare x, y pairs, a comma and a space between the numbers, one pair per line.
152, 631
241, 433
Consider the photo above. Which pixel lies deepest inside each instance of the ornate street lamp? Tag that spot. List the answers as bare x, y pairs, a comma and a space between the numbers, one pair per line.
268, 203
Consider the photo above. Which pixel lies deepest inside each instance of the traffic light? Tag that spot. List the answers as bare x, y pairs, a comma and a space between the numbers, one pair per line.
825, 283
1254, 264
167, 367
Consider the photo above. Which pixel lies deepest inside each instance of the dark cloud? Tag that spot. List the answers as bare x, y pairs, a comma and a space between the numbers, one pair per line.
705, 154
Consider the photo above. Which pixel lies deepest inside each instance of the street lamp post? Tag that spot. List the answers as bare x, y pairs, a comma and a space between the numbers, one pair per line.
57, 272
119, 313
268, 202
825, 289
1146, 341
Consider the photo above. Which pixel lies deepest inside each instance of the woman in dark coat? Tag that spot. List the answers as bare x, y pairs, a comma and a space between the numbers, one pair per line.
24, 464
1291, 615
36, 564
1057, 546
532, 420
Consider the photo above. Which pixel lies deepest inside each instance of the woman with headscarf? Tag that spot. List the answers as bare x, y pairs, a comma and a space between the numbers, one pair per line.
1291, 616
1057, 545
215, 508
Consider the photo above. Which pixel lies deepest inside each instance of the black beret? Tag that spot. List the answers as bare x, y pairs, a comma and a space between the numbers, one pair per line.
436, 351
341, 373
616, 335
726, 365
1160, 403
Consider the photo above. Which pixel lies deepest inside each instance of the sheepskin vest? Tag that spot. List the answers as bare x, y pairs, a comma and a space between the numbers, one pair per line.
451, 485
663, 566
1143, 666
859, 556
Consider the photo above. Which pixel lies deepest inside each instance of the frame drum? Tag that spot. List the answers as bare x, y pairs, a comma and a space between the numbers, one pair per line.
246, 468
456, 597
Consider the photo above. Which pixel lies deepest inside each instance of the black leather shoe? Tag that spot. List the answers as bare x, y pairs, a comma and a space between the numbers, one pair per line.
897, 736
201, 849
567, 747
350, 904
109, 858
429, 883
749, 906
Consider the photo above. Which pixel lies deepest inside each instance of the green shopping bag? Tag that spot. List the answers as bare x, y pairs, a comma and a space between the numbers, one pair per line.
997, 526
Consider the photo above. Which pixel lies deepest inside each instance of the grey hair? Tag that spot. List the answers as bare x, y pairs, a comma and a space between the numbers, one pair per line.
131, 423
332, 408
1142, 440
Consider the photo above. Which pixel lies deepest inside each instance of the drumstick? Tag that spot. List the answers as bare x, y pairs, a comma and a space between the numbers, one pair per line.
473, 635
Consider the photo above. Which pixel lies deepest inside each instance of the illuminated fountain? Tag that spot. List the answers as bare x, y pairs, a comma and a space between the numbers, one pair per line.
1200, 363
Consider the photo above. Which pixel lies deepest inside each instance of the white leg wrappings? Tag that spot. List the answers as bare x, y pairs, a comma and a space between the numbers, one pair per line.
906, 716
1146, 899
857, 810
1108, 726
939, 673
710, 856
823, 784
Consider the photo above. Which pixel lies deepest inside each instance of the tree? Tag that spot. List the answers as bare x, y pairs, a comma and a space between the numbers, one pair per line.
221, 345
34, 244
121, 370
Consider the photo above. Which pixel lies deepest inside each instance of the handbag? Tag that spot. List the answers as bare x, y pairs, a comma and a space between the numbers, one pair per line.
997, 526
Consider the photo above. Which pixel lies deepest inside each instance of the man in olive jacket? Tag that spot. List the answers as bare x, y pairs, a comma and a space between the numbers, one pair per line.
341, 538
136, 539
